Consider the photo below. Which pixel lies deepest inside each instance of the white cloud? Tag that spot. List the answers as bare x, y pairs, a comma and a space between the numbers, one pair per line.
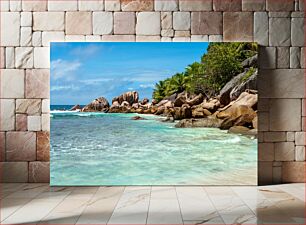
146, 75
146, 85
95, 81
86, 50
63, 69
64, 87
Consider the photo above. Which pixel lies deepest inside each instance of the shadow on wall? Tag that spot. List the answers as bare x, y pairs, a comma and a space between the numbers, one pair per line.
280, 111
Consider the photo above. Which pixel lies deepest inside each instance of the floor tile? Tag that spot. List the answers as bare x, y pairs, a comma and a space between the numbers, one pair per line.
32, 212
9, 188
195, 204
277, 204
68, 210
101, 206
164, 206
210, 219
29, 191
9, 205
132, 207
296, 190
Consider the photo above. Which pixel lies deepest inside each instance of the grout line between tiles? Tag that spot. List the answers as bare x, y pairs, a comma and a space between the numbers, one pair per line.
88, 201
178, 202
116, 205
214, 205
149, 205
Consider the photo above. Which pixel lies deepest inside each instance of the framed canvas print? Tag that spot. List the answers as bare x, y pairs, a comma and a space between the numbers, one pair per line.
153, 113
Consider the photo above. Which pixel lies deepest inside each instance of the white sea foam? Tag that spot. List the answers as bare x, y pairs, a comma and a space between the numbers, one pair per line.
63, 111
233, 140
75, 113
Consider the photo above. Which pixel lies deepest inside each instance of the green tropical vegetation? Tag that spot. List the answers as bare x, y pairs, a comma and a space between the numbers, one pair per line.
248, 74
218, 66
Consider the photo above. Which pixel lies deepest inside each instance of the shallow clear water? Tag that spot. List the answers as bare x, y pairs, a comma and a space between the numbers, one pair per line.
112, 149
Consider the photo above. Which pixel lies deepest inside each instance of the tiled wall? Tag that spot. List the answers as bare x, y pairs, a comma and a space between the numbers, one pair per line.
27, 27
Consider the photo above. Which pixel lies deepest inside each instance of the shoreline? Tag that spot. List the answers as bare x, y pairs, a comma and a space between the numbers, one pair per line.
159, 118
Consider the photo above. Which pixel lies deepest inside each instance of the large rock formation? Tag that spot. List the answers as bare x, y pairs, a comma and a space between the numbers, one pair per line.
180, 99
212, 105
196, 100
248, 99
131, 97
205, 122
75, 107
183, 112
200, 112
171, 97
226, 90
242, 130
249, 84
237, 85
98, 105
236, 115
250, 62
145, 101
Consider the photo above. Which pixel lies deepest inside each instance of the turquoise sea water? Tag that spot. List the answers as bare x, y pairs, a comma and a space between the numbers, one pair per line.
112, 149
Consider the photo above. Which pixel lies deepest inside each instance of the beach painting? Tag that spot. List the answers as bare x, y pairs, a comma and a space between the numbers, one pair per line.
153, 113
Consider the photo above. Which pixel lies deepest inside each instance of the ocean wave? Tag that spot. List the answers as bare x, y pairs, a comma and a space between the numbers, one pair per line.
232, 140
63, 111
58, 113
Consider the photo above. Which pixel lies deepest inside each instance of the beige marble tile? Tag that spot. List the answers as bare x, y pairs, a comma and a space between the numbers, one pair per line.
82, 193
195, 204
9, 188
272, 214
219, 191
233, 210
94, 205
132, 207
9, 206
26, 214
68, 211
41, 206
296, 190
294, 208
53, 195
245, 192
29, 191
230, 207
100, 208
164, 206
209, 219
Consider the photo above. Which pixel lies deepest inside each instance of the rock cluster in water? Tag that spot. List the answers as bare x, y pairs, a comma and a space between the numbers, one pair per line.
234, 109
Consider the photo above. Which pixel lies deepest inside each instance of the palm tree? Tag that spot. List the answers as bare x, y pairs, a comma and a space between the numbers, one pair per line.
159, 90
177, 83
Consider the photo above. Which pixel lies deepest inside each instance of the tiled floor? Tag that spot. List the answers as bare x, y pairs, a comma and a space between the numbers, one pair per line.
41, 204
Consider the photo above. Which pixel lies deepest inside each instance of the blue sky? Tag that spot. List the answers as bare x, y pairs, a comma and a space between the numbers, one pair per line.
81, 72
